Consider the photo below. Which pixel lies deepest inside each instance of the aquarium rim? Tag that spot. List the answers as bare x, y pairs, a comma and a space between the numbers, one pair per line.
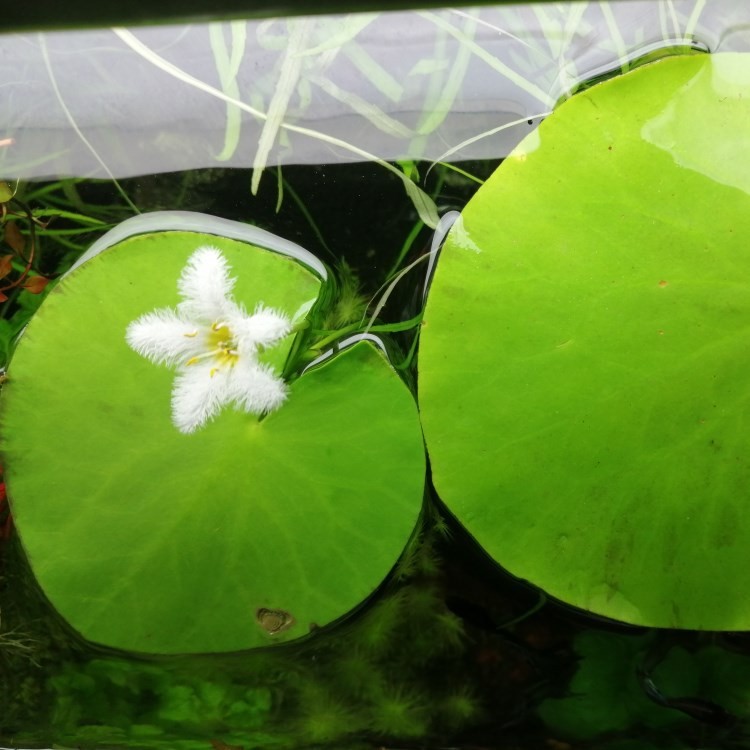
52, 15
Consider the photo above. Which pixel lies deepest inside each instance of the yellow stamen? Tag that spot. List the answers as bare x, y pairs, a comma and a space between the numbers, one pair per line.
190, 335
220, 347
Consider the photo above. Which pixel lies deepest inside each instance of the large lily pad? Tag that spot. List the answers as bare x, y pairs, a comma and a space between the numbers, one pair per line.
584, 362
149, 539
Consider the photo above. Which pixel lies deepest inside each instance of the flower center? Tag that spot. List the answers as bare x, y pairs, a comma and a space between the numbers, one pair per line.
221, 347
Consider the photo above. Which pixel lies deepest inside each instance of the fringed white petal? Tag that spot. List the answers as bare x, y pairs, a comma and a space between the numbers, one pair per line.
199, 393
205, 286
165, 338
214, 343
265, 327
255, 389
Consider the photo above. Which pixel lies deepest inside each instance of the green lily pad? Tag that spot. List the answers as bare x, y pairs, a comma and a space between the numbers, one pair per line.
243, 533
584, 360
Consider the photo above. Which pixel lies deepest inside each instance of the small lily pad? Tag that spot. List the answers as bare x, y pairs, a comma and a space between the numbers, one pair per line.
243, 533
584, 360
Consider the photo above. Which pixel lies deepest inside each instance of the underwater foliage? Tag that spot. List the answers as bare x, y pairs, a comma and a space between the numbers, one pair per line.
605, 695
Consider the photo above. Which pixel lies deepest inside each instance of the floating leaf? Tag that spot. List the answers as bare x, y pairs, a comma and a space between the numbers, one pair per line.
583, 363
244, 533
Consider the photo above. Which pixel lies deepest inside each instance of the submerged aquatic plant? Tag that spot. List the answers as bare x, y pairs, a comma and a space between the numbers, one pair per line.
14, 643
399, 712
459, 707
325, 716
214, 344
17, 267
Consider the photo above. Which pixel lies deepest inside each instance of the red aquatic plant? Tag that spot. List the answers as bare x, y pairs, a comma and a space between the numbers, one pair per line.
16, 267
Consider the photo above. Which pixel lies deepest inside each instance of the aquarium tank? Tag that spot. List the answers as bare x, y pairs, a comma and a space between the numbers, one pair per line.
375, 377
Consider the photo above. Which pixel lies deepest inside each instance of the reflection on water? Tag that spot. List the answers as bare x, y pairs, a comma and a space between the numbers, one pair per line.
671, 130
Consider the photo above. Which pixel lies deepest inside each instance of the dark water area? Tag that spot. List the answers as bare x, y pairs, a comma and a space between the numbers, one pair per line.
450, 651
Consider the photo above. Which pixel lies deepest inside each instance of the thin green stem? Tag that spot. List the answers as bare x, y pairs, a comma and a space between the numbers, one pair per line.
74, 125
404, 325
617, 39
405, 247
692, 22
406, 362
306, 213
62, 214
540, 602
462, 172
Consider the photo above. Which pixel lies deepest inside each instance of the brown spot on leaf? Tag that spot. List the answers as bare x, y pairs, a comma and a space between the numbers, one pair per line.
274, 621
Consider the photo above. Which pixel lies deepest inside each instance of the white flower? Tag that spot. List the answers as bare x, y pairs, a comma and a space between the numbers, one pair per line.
214, 345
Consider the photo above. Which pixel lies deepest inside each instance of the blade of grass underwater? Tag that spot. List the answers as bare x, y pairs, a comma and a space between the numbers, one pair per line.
50, 212
567, 70
676, 28
573, 22
547, 25
38, 192
332, 336
436, 115
73, 232
462, 172
435, 84
343, 31
427, 67
663, 21
279, 189
492, 26
291, 67
493, 62
424, 205
305, 212
406, 246
617, 40
692, 22
416, 229
441, 230
375, 73
74, 124
373, 114
61, 199
35, 162
485, 134
389, 290
228, 68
